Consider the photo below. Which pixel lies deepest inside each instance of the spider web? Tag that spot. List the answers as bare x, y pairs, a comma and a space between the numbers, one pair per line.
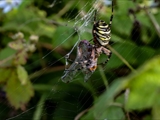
61, 101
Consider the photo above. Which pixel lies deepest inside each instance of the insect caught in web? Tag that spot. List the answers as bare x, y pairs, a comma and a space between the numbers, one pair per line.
86, 61
88, 54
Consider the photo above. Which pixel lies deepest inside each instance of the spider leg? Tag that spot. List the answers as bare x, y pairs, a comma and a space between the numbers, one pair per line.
66, 59
108, 53
95, 16
76, 66
111, 18
81, 63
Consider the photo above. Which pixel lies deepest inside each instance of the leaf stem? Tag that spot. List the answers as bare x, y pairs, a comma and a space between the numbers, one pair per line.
103, 76
39, 108
121, 58
153, 21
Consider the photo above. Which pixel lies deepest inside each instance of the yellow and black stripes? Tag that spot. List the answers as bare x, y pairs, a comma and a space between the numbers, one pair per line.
102, 31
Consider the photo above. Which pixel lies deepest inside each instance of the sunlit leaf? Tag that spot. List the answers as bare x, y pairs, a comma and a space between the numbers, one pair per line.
144, 86
18, 94
5, 74
22, 74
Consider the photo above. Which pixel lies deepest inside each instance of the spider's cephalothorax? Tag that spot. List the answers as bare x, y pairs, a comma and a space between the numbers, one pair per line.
102, 31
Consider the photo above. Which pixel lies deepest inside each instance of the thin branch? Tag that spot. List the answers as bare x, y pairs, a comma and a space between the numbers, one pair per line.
153, 21
2, 62
81, 114
150, 16
126, 95
45, 71
66, 8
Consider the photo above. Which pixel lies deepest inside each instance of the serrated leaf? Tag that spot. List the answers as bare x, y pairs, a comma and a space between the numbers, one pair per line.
18, 94
5, 74
22, 74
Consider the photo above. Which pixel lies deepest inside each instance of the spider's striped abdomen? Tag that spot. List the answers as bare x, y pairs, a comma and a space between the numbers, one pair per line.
101, 32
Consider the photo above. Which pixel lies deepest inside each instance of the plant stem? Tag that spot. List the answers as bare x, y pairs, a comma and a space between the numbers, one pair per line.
153, 21
103, 76
121, 58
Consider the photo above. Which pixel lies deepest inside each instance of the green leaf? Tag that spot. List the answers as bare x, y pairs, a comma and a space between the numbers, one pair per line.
130, 52
156, 112
106, 99
63, 34
18, 94
104, 107
48, 31
6, 52
5, 74
22, 74
112, 113
88, 116
144, 86
39, 109
127, 51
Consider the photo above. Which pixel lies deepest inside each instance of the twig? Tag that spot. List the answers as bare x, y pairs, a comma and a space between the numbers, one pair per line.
82, 113
2, 62
151, 17
153, 21
45, 71
126, 95
65, 9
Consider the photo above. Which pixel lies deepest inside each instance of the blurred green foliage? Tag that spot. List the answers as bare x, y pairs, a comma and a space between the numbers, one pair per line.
35, 37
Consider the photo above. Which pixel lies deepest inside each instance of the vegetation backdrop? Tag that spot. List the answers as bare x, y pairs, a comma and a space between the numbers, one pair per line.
36, 35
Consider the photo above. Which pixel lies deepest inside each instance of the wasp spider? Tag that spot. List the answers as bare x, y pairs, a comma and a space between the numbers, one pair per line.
87, 53
102, 34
